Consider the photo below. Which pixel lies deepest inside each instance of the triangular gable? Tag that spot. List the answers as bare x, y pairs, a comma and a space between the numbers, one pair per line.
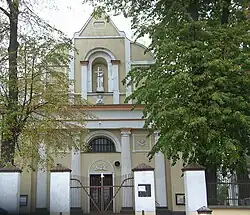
99, 26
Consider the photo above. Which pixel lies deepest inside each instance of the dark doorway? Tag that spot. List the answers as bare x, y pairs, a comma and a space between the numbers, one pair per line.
101, 192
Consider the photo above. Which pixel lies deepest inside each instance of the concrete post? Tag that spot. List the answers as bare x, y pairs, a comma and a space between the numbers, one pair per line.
60, 190
144, 190
195, 188
10, 189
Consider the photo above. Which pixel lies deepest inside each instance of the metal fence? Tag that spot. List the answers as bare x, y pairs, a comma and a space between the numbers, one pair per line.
228, 194
98, 194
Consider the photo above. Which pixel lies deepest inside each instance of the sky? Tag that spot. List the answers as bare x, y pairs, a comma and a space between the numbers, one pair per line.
70, 15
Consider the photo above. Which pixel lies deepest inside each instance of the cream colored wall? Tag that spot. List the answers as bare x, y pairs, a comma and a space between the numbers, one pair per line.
230, 211
137, 53
108, 99
177, 185
168, 184
26, 189
138, 156
122, 98
64, 160
33, 190
109, 29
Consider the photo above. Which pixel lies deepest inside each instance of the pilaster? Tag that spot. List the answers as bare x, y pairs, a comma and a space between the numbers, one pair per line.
128, 66
76, 173
84, 81
41, 181
160, 177
126, 167
116, 82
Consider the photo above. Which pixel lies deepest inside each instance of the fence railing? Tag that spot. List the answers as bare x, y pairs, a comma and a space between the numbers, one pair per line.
228, 194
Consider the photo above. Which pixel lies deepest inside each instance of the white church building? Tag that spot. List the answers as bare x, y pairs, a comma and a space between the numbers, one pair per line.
116, 138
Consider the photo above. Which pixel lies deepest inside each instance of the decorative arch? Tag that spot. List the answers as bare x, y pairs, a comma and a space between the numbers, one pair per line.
108, 134
100, 50
101, 166
108, 56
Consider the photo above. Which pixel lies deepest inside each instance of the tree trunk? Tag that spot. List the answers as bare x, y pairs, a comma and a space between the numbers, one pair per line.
10, 126
225, 12
193, 10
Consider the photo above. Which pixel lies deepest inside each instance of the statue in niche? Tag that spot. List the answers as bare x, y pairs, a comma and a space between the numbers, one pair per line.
99, 82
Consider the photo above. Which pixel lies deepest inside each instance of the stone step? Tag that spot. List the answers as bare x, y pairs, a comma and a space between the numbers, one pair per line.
41, 211
127, 210
76, 211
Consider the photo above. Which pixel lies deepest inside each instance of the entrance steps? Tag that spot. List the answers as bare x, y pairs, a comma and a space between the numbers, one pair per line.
127, 210
76, 211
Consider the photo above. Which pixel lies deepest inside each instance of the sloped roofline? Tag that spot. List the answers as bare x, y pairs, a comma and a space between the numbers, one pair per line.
121, 33
88, 21
143, 46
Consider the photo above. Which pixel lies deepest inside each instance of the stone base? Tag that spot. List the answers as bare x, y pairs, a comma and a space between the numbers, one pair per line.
163, 211
161, 208
76, 211
41, 211
179, 213
145, 213
127, 210
59, 213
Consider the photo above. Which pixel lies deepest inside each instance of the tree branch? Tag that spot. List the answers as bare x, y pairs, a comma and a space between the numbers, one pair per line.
5, 12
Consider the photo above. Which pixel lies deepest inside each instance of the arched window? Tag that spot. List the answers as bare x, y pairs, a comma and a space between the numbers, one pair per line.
101, 144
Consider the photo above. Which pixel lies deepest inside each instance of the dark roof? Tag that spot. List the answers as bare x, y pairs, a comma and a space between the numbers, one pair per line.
10, 169
204, 210
193, 167
60, 168
143, 167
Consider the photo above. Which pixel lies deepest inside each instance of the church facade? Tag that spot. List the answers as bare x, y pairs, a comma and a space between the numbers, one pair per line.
115, 135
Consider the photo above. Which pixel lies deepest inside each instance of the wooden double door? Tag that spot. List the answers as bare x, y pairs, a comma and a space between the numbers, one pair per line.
101, 192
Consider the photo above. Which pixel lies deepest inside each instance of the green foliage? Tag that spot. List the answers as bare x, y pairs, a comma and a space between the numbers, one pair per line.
197, 94
40, 112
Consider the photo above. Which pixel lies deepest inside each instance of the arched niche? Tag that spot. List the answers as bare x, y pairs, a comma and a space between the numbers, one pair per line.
105, 56
100, 64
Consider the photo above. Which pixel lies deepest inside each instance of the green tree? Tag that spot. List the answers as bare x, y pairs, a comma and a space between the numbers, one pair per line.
34, 87
197, 94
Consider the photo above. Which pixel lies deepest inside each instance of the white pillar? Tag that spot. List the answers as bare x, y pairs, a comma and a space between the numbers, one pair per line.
195, 188
144, 190
71, 77
84, 79
76, 173
110, 77
60, 190
126, 167
10, 189
160, 177
41, 181
128, 66
116, 82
